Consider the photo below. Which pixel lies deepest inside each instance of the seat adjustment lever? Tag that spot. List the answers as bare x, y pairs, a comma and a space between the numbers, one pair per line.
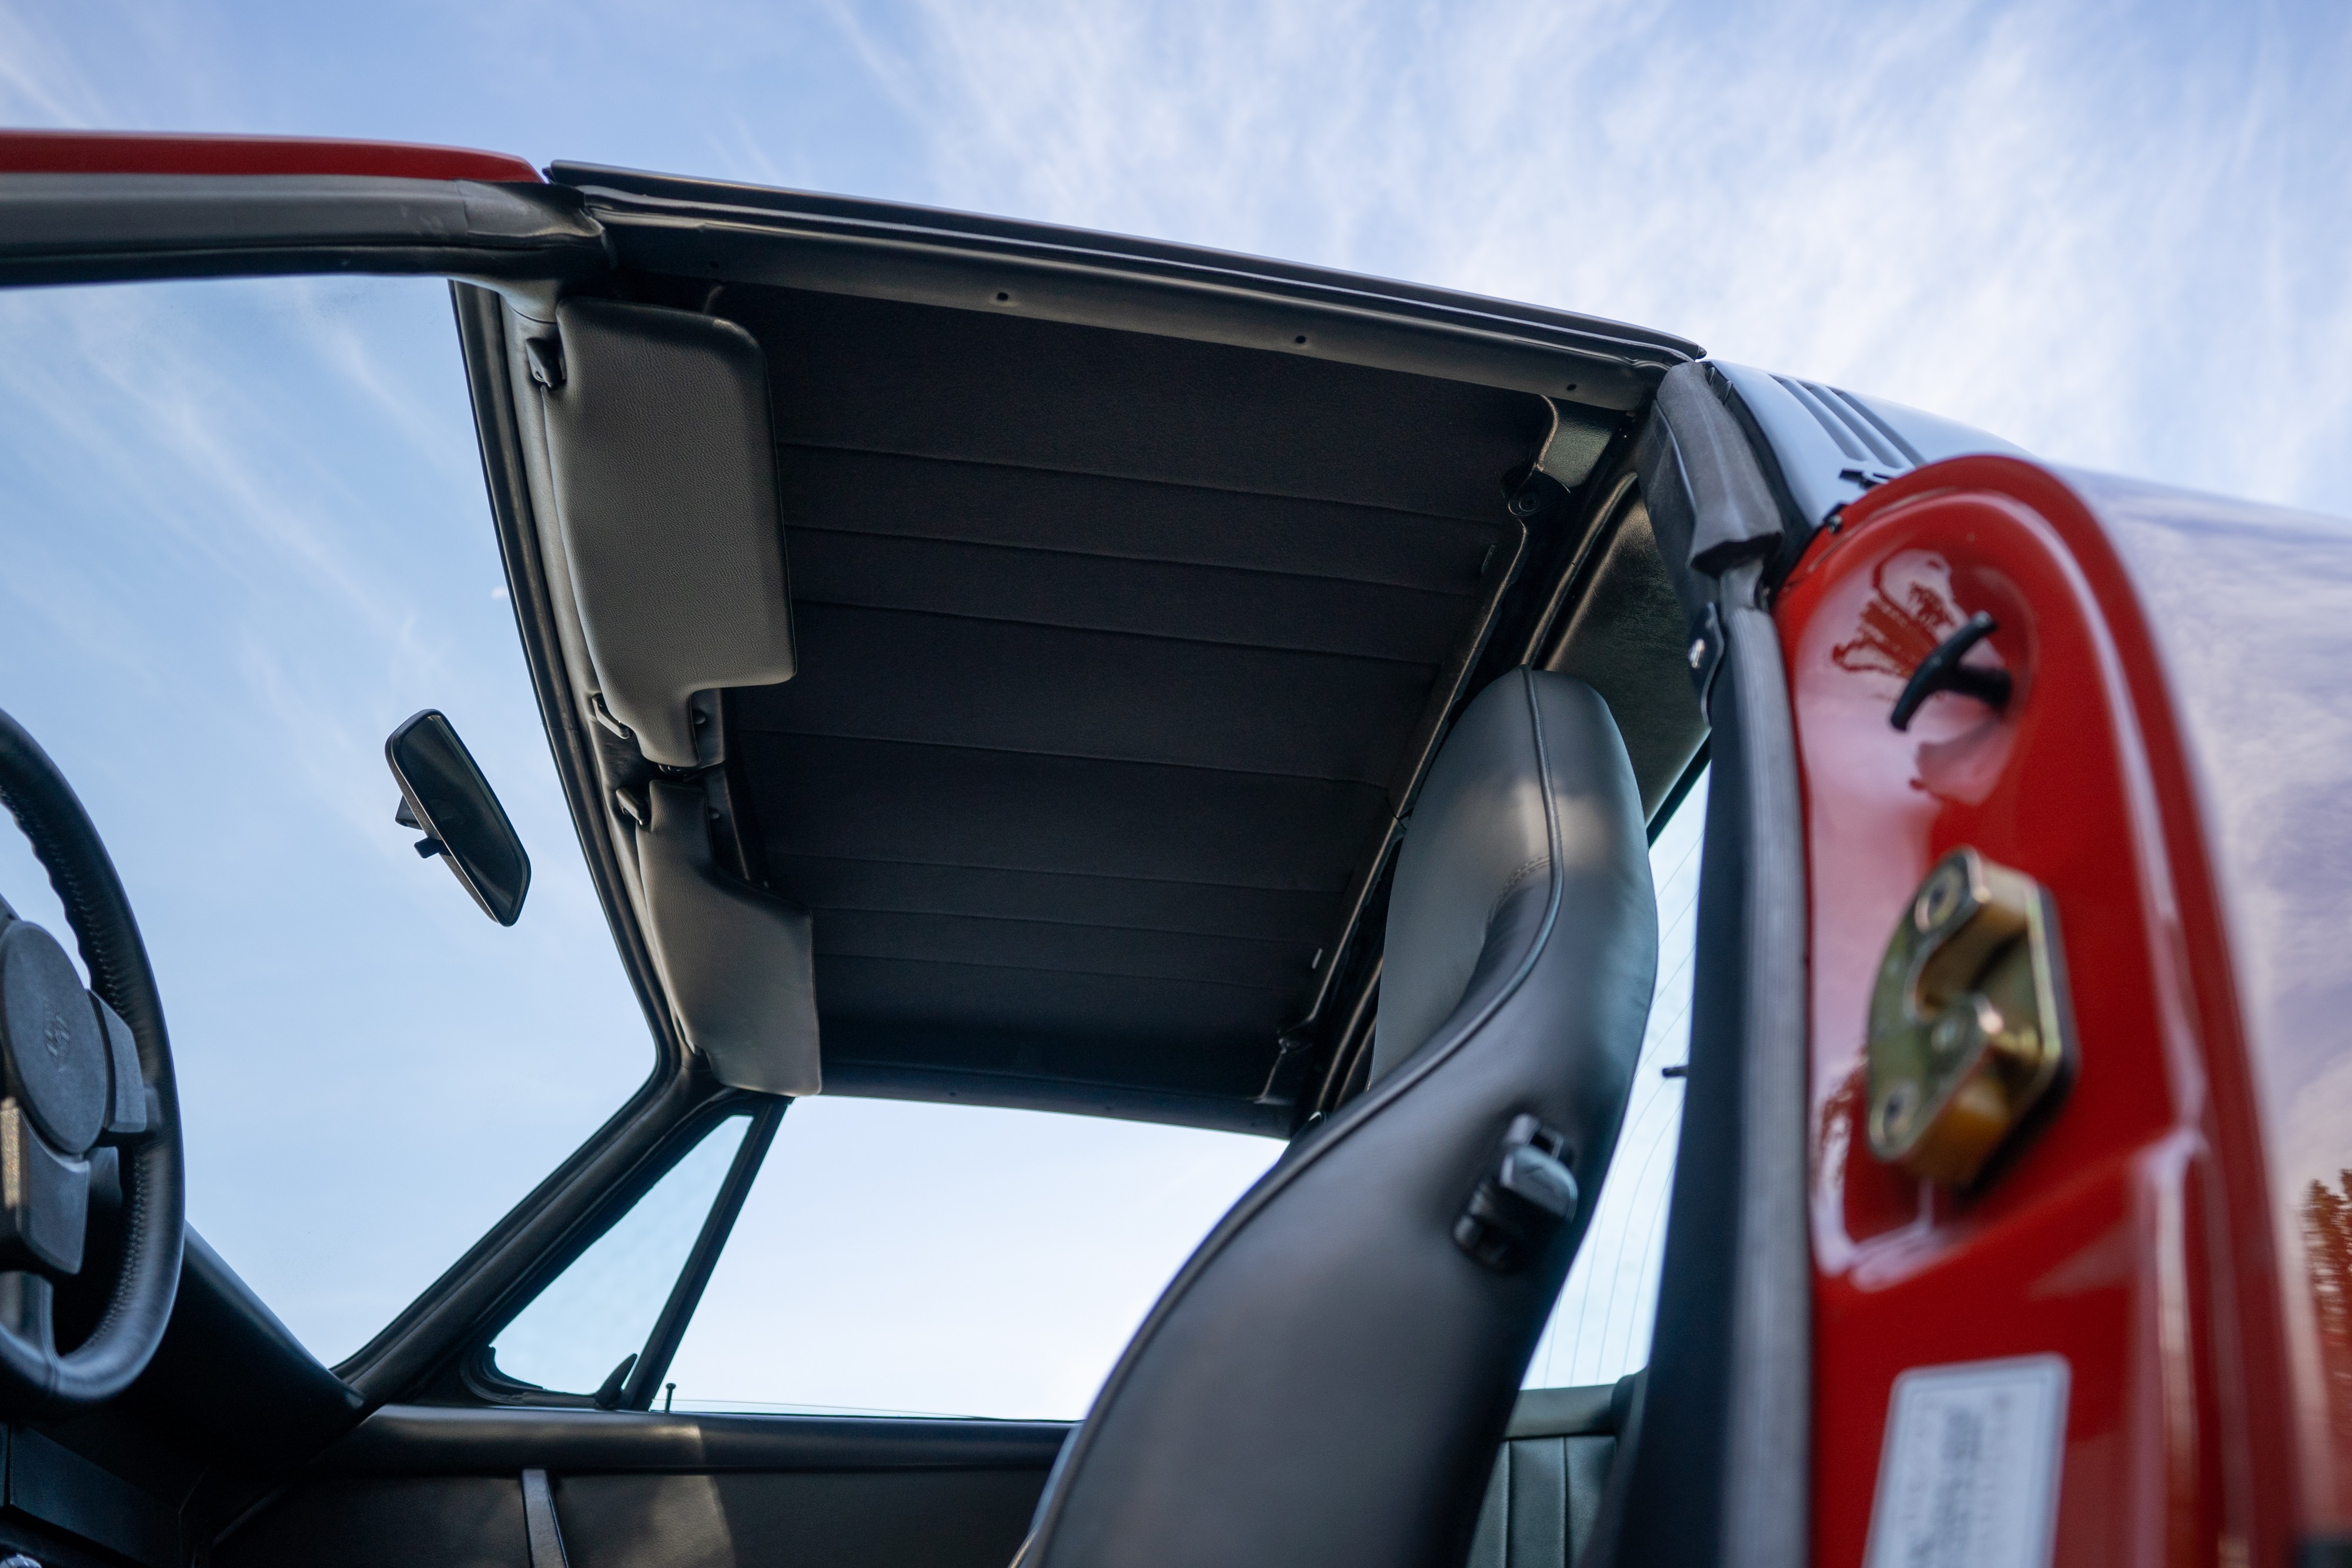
1522, 1202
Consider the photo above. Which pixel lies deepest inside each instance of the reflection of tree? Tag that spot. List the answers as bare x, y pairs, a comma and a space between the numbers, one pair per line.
2328, 1255
1910, 611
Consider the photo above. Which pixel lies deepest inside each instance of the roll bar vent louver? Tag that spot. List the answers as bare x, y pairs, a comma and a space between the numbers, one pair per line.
1831, 445
1862, 436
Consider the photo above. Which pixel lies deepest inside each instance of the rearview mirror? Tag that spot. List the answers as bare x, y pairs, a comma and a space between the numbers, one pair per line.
443, 796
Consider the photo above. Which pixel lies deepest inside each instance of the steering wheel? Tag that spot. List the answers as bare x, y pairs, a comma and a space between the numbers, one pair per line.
87, 1084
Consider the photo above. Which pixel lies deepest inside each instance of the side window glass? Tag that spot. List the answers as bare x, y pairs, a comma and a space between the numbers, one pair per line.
902, 1258
1023, 1246
1599, 1330
600, 1312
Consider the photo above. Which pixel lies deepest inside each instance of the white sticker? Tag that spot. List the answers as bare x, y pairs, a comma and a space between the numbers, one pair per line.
1969, 1475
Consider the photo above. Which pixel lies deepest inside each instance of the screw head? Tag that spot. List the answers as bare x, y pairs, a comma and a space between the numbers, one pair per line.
1897, 1107
1941, 899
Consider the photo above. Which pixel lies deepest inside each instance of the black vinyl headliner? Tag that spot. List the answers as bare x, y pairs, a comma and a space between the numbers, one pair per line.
1114, 653
1133, 586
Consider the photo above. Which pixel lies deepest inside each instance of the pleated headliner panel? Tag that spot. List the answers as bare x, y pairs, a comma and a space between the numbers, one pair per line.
1112, 648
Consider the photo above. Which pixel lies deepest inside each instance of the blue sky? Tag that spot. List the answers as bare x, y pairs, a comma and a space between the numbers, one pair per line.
244, 523
2113, 233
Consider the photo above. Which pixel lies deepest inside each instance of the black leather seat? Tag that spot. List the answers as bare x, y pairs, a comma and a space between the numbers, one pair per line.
1552, 1478
1327, 1380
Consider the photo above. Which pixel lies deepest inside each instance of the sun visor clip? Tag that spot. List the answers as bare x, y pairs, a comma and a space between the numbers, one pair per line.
604, 719
546, 357
704, 715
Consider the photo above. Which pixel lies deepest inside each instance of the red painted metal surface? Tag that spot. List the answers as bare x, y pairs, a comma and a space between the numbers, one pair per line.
138, 153
2129, 1234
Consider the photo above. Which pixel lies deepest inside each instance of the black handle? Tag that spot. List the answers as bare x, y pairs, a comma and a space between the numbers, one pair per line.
1942, 671
1523, 1201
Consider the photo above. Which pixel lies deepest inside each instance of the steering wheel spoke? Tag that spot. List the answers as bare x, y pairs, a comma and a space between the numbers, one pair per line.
85, 1079
126, 1135
28, 1312
131, 1110
45, 1213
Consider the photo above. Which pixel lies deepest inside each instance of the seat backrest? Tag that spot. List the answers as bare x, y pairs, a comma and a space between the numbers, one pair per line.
1551, 1476
1327, 1379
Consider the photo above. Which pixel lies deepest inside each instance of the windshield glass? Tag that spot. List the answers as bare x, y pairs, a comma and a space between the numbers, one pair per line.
246, 536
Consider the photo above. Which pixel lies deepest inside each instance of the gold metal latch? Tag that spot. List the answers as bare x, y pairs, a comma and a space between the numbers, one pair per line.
1969, 1030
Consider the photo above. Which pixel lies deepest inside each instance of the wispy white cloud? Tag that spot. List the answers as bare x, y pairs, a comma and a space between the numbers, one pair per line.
2111, 236
2104, 228
41, 81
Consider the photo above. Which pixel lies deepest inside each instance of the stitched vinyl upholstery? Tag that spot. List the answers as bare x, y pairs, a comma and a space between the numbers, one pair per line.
1328, 1379
1541, 1503
1550, 1476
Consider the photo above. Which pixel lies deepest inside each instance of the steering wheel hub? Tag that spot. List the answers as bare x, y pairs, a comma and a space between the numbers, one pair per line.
85, 1084
55, 1047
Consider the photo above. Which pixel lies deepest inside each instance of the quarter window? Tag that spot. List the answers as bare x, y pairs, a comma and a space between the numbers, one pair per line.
599, 1314
1599, 1330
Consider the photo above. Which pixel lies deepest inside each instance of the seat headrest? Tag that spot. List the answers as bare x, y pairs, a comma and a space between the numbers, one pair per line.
1533, 748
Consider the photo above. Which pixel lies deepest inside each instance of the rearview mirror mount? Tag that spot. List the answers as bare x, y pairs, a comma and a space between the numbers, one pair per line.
443, 796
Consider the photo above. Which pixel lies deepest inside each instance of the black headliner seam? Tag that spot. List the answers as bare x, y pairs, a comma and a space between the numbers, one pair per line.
1495, 521
1128, 558
1016, 1075
1284, 651
824, 952
1088, 875
1067, 756
1175, 931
